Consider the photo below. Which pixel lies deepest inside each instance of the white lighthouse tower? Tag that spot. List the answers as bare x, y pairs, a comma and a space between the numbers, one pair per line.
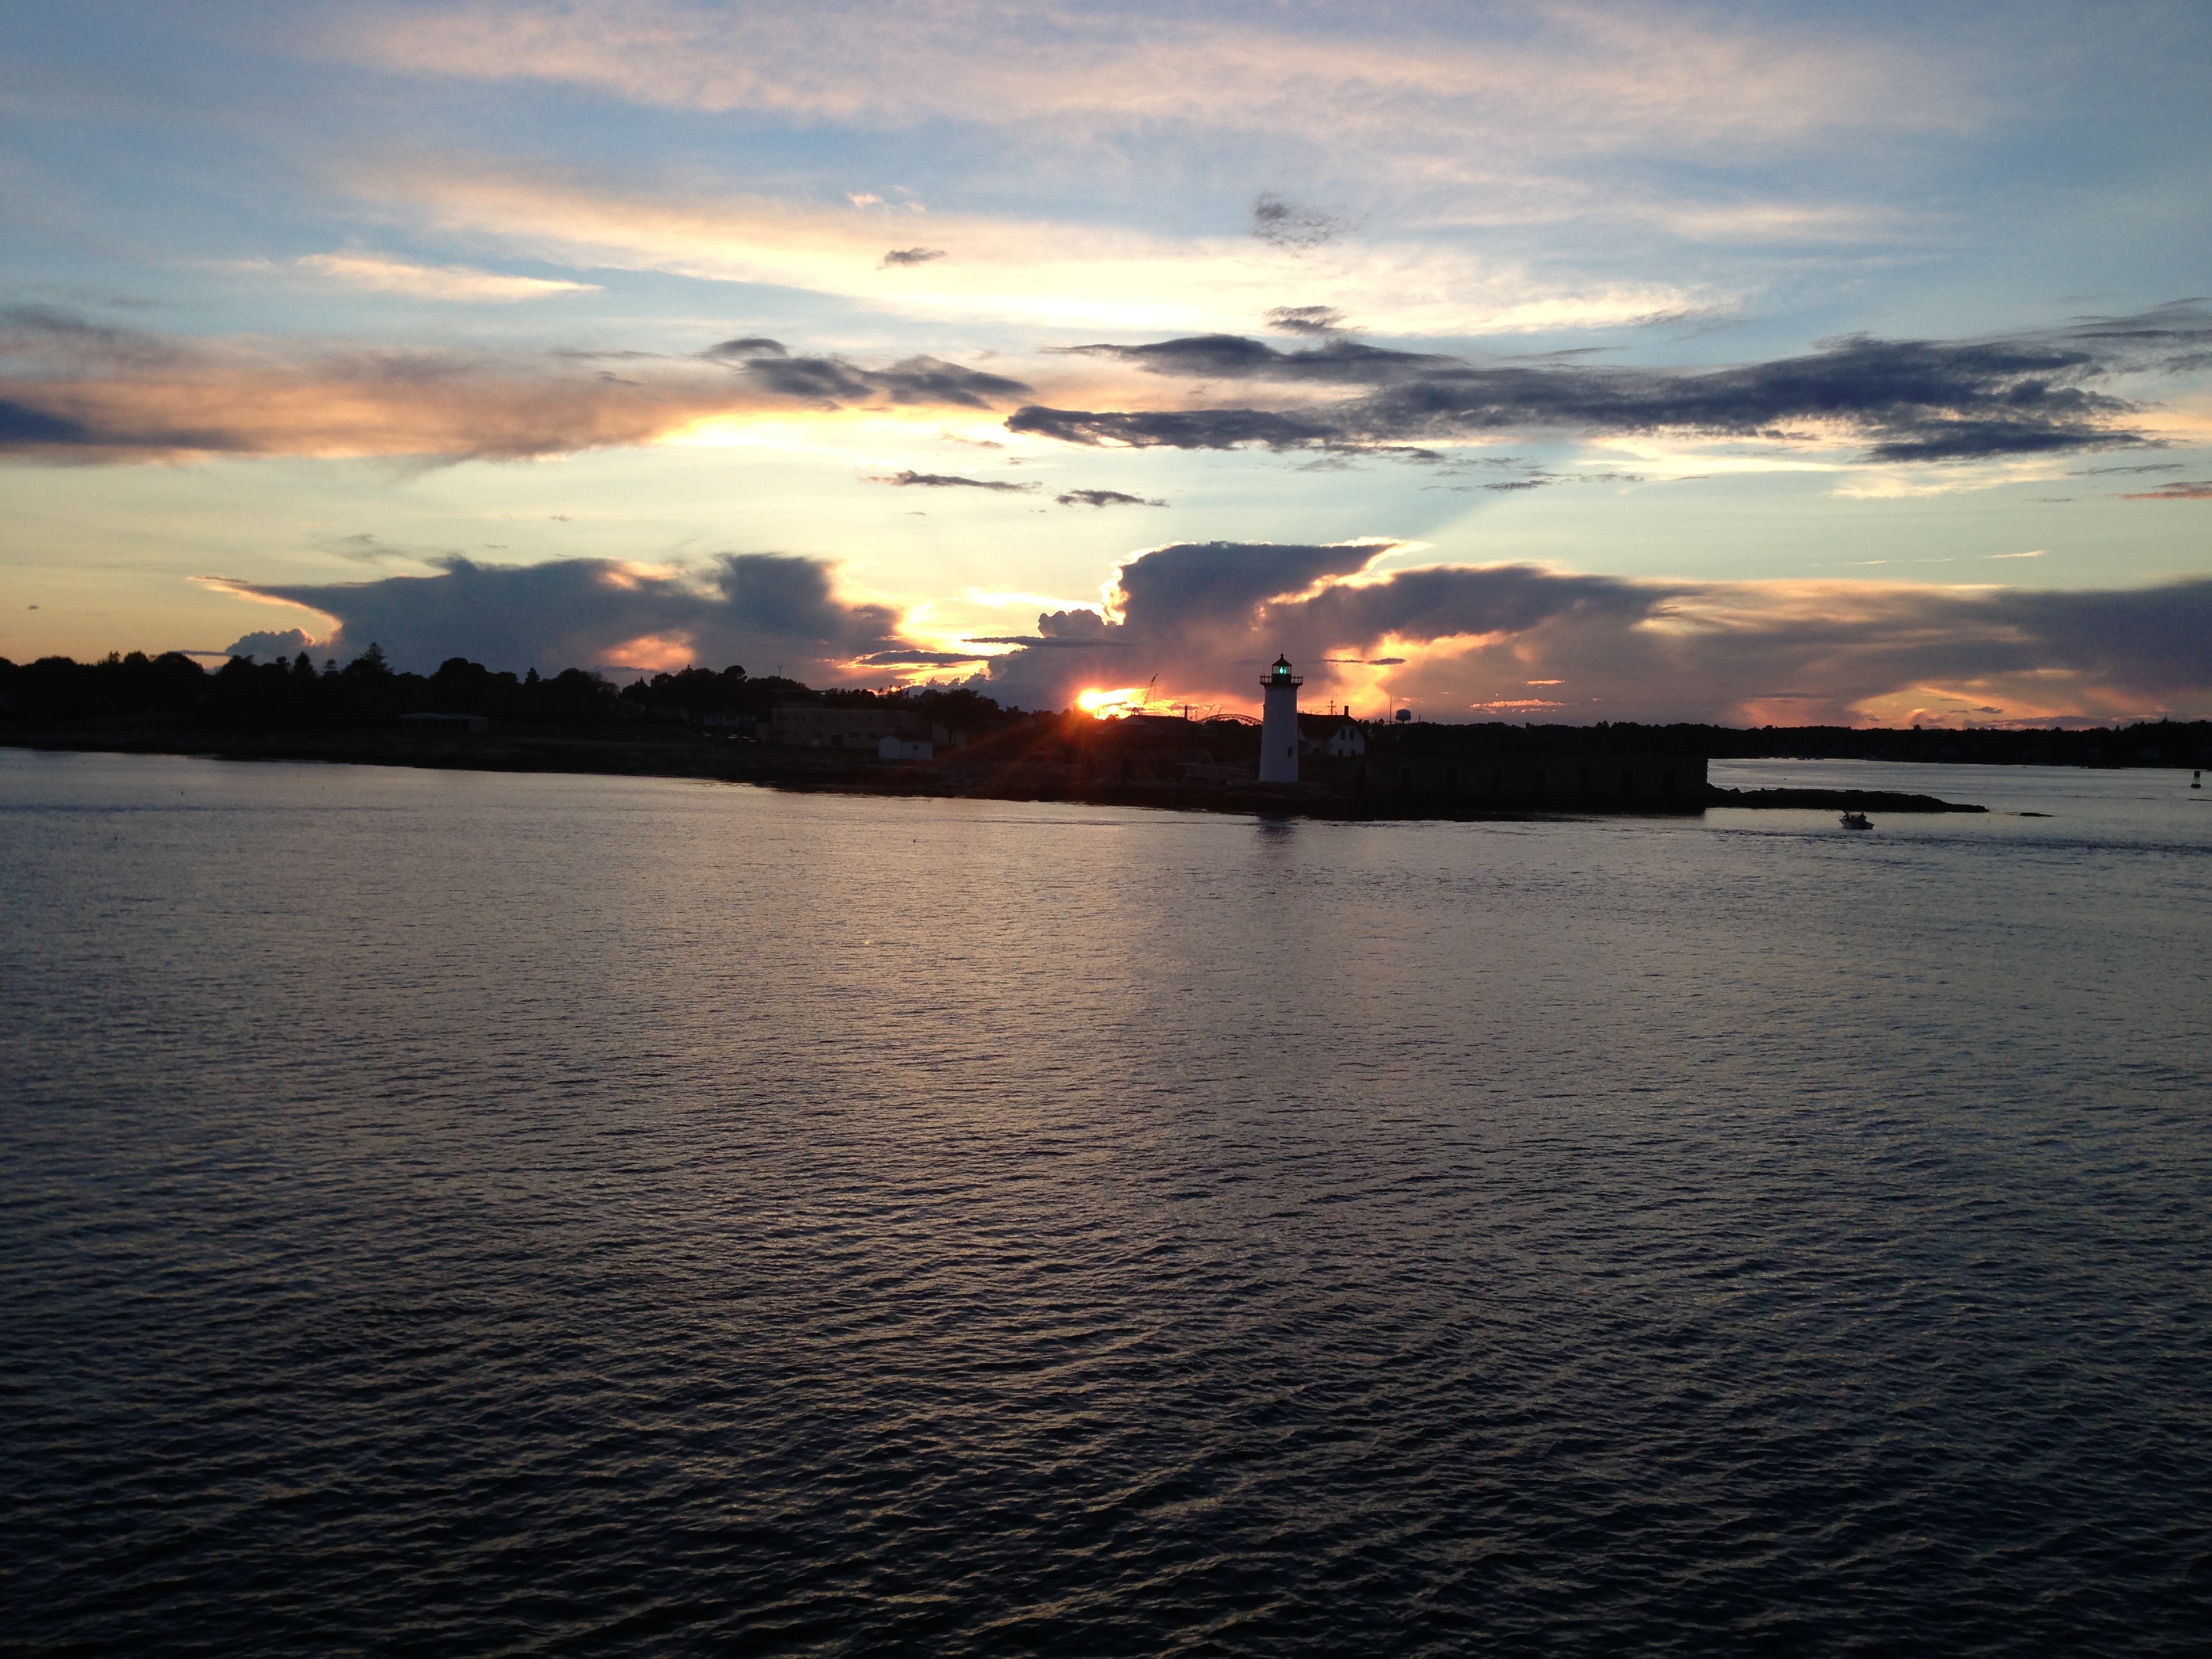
1279, 727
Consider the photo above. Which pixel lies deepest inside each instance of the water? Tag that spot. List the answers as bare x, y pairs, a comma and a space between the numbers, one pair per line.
453, 1213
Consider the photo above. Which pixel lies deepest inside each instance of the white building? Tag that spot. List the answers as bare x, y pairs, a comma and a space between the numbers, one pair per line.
905, 749
1344, 741
1278, 725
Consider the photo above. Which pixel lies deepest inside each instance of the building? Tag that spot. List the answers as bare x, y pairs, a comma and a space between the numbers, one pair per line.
1339, 736
904, 749
812, 726
1278, 725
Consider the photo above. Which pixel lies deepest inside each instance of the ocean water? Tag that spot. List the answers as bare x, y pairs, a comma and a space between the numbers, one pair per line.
451, 1213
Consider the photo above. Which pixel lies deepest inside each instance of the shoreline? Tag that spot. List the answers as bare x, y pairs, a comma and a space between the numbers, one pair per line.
815, 771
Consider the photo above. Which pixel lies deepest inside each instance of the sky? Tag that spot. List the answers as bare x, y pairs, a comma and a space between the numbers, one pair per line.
1781, 363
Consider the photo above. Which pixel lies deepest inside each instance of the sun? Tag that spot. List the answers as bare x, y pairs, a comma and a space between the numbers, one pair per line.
1111, 705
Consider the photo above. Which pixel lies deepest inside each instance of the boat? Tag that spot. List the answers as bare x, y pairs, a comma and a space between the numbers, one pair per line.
1857, 821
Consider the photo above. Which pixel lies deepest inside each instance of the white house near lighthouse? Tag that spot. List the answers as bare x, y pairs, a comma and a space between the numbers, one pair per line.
1278, 725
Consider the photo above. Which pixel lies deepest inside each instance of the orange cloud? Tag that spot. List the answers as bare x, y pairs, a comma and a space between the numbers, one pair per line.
84, 394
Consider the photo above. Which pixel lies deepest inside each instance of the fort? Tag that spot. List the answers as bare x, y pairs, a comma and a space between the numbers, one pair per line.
1335, 767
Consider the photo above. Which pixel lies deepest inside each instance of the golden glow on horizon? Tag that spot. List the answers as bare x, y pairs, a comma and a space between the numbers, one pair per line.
661, 653
1110, 705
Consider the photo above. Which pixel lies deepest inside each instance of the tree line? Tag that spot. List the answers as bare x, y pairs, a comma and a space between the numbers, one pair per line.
2150, 743
245, 696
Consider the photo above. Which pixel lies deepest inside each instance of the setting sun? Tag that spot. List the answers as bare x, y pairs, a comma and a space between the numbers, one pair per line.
1110, 705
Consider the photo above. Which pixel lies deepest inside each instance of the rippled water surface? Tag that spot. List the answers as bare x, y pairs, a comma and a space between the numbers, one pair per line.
452, 1213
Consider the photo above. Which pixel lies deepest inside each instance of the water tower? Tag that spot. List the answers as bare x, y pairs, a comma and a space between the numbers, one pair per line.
1279, 728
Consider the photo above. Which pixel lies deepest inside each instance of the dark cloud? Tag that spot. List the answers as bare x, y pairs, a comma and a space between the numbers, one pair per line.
1103, 498
2111, 471
21, 425
910, 256
1199, 613
916, 659
35, 332
932, 381
1184, 610
822, 380
1546, 480
948, 481
757, 609
1046, 641
1908, 400
1198, 428
1281, 223
832, 382
741, 350
1233, 357
2189, 489
1305, 319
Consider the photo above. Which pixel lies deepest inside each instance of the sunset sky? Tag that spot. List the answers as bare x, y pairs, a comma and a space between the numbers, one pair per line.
1748, 363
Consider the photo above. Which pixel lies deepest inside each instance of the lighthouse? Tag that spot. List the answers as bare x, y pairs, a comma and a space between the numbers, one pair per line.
1278, 729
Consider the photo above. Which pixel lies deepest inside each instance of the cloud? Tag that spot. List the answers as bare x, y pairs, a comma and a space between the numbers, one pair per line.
22, 426
1047, 640
746, 349
273, 647
1232, 357
1454, 641
1566, 78
1286, 224
1305, 319
2193, 490
910, 256
949, 481
1050, 274
1906, 400
1202, 428
832, 382
382, 274
1462, 641
1103, 498
763, 611
365, 549
71, 391
904, 658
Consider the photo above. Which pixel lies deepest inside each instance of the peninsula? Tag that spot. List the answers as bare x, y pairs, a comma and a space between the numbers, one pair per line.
945, 741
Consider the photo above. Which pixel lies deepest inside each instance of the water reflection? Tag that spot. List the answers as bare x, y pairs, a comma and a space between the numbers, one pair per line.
534, 1212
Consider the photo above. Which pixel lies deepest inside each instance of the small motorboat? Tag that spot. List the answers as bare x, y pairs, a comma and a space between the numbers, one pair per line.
1857, 821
